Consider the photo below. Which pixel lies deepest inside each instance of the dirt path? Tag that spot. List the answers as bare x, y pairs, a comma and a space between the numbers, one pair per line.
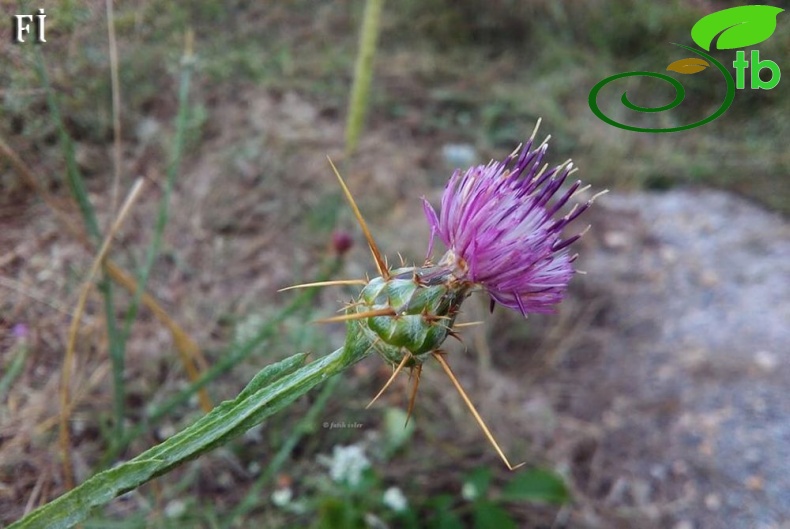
691, 385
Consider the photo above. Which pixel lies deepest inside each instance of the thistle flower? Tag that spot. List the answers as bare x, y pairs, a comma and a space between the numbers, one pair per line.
498, 223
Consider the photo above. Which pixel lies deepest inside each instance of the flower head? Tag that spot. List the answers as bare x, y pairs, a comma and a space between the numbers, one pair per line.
20, 331
469, 491
394, 499
498, 223
282, 497
347, 464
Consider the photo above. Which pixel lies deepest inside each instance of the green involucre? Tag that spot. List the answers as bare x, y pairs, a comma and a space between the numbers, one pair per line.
424, 312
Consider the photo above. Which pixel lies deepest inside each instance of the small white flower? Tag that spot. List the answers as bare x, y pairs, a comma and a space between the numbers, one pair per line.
374, 522
469, 492
347, 464
248, 328
394, 499
282, 497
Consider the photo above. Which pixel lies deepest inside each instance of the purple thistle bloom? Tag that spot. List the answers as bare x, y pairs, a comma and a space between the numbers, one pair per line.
499, 227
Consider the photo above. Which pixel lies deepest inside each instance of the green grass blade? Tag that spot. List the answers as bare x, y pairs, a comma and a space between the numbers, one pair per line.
187, 64
80, 193
16, 365
363, 73
73, 176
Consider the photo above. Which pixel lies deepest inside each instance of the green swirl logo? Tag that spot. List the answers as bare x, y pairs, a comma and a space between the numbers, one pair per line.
736, 27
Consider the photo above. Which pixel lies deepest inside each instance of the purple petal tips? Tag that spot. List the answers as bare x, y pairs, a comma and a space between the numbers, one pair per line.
501, 231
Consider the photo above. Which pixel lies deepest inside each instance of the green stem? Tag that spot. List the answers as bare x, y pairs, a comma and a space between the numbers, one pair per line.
363, 73
271, 390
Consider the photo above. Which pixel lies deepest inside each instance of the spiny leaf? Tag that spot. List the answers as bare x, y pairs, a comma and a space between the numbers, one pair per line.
736, 27
688, 66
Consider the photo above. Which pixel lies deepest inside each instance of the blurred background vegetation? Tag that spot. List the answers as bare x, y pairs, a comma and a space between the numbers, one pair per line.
470, 72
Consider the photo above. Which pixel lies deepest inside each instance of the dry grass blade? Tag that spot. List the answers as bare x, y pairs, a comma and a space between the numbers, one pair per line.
36, 492
72, 337
30, 293
30, 180
187, 348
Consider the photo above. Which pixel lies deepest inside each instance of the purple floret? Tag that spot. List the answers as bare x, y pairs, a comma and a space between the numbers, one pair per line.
498, 223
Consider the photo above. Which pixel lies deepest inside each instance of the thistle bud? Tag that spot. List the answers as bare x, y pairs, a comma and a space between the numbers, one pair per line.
341, 242
417, 308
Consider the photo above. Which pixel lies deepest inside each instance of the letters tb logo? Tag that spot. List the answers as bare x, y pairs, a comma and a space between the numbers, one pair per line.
736, 27
756, 83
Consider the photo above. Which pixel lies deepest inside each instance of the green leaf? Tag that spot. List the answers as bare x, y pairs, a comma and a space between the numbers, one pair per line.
334, 512
271, 374
396, 430
736, 27
536, 485
490, 516
442, 508
480, 479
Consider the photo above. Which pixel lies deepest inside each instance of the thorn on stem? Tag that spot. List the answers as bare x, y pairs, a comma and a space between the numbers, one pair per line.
326, 284
439, 355
381, 265
358, 316
391, 379
416, 371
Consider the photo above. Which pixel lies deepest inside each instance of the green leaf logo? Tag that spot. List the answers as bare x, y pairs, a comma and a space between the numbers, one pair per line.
736, 27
